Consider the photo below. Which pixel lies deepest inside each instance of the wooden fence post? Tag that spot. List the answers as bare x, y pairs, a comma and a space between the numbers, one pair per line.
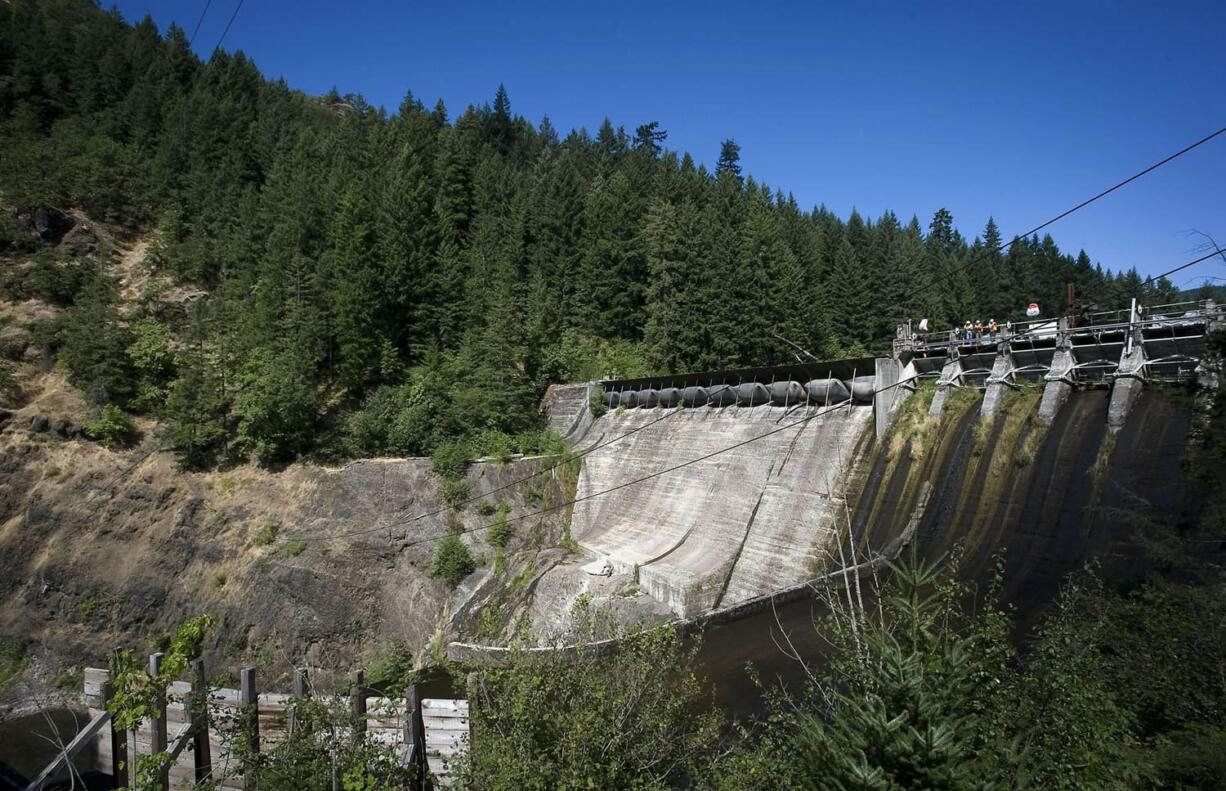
301, 693
157, 722
357, 703
415, 731
250, 703
119, 738
198, 717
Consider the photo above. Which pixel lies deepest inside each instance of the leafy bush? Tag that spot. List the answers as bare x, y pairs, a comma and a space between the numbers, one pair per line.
494, 444
450, 459
546, 442
499, 533
452, 560
294, 547
277, 407
544, 721
455, 492
393, 671
486, 508
596, 404
154, 364
112, 428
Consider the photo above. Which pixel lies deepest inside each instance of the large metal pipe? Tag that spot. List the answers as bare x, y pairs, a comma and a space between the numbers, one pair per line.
786, 393
752, 394
862, 389
694, 396
826, 391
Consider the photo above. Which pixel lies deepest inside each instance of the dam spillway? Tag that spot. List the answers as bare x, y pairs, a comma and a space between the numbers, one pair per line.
722, 530
1031, 445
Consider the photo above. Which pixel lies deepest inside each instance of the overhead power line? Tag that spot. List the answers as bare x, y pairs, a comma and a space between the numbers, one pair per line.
237, 8
1145, 171
1181, 267
199, 22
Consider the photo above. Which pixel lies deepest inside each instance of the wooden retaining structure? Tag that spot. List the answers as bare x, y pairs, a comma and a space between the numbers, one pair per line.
429, 731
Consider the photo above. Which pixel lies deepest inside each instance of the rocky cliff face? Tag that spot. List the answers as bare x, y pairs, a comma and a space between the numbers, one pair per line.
102, 549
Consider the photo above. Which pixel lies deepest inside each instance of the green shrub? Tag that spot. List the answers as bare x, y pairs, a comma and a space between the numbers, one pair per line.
596, 404
485, 507
495, 445
450, 459
267, 534
294, 547
500, 532
452, 560
112, 428
393, 671
455, 492
546, 442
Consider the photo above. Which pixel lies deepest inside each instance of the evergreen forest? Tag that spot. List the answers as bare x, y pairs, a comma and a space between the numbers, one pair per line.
374, 282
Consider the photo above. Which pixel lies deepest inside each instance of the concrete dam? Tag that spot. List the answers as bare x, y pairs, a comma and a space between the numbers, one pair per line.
1050, 443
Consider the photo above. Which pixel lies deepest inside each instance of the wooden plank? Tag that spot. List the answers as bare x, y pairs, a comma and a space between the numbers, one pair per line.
250, 702
441, 724
202, 754
157, 721
357, 705
440, 705
87, 735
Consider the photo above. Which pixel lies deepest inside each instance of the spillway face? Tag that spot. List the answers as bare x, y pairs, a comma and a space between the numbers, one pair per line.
1045, 500
727, 529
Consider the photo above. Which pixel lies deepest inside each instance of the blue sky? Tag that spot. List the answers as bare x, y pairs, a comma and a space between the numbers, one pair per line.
1015, 110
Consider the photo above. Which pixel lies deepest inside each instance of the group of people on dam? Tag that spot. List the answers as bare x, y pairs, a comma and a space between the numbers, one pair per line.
978, 332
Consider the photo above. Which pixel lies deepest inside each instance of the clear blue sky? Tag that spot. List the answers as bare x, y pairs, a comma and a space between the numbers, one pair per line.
1015, 110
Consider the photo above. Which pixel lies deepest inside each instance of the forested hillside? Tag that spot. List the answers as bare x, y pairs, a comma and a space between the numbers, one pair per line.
373, 282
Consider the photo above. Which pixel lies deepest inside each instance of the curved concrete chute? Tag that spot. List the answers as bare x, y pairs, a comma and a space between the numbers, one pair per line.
723, 529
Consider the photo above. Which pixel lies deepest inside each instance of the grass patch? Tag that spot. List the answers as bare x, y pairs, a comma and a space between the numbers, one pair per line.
268, 533
912, 425
12, 660
69, 681
88, 606
294, 547
219, 580
521, 579
486, 508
